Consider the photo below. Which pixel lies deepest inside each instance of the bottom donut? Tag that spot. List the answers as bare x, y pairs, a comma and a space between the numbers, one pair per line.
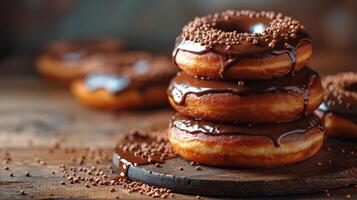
248, 146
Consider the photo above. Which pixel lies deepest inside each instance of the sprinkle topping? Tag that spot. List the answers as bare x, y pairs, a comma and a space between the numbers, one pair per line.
235, 27
341, 92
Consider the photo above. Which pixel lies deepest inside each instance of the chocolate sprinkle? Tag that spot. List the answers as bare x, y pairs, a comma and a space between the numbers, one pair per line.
341, 93
207, 30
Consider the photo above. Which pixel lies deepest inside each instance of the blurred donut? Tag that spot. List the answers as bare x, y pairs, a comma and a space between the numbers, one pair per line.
339, 110
61, 61
119, 81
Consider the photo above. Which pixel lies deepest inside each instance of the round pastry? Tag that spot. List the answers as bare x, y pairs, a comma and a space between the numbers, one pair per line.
242, 45
61, 61
258, 101
263, 146
339, 110
124, 81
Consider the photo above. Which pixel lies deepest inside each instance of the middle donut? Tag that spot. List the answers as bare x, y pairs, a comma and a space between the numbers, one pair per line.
278, 99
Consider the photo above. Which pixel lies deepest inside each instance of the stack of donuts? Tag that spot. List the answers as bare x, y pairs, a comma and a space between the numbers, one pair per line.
246, 96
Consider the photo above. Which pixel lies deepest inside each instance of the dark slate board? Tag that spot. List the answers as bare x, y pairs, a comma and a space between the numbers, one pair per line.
334, 166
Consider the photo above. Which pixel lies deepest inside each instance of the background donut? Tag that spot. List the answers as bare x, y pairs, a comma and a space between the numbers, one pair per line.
61, 60
127, 80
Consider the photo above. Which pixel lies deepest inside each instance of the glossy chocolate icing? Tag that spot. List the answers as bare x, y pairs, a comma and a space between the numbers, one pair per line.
111, 83
275, 131
115, 84
184, 84
117, 72
75, 50
324, 109
245, 49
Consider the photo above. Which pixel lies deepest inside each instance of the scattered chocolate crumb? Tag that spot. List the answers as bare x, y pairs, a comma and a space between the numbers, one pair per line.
348, 196
112, 190
11, 174
157, 165
198, 197
198, 168
53, 172
27, 174
319, 164
62, 183
87, 185
6, 168
22, 192
181, 168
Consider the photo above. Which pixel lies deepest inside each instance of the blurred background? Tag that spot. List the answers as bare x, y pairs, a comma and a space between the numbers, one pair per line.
26, 26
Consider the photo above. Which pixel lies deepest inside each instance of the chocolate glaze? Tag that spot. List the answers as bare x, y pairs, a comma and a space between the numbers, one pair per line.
276, 132
76, 50
184, 84
142, 148
115, 84
117, 72
244, 50
324, 110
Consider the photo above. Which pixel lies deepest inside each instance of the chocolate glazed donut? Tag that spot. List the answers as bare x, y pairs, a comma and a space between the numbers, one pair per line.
242, 45
61, 61
251, 101
268, 145
130, 80
339, 110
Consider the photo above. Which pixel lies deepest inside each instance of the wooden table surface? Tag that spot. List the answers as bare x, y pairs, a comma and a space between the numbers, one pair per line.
34, 114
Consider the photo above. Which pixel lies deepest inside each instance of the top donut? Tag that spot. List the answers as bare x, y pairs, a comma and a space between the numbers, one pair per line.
242, 44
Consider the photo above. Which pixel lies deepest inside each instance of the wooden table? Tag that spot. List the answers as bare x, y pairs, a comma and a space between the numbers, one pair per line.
34, 114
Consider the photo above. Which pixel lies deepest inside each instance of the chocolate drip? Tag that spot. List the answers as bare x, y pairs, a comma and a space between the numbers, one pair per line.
306, 94
276, 132
246, 50
184, 84
291, 52
142, 148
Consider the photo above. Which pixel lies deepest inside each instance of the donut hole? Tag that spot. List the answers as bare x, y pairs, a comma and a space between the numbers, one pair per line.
351, 87
243, 25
